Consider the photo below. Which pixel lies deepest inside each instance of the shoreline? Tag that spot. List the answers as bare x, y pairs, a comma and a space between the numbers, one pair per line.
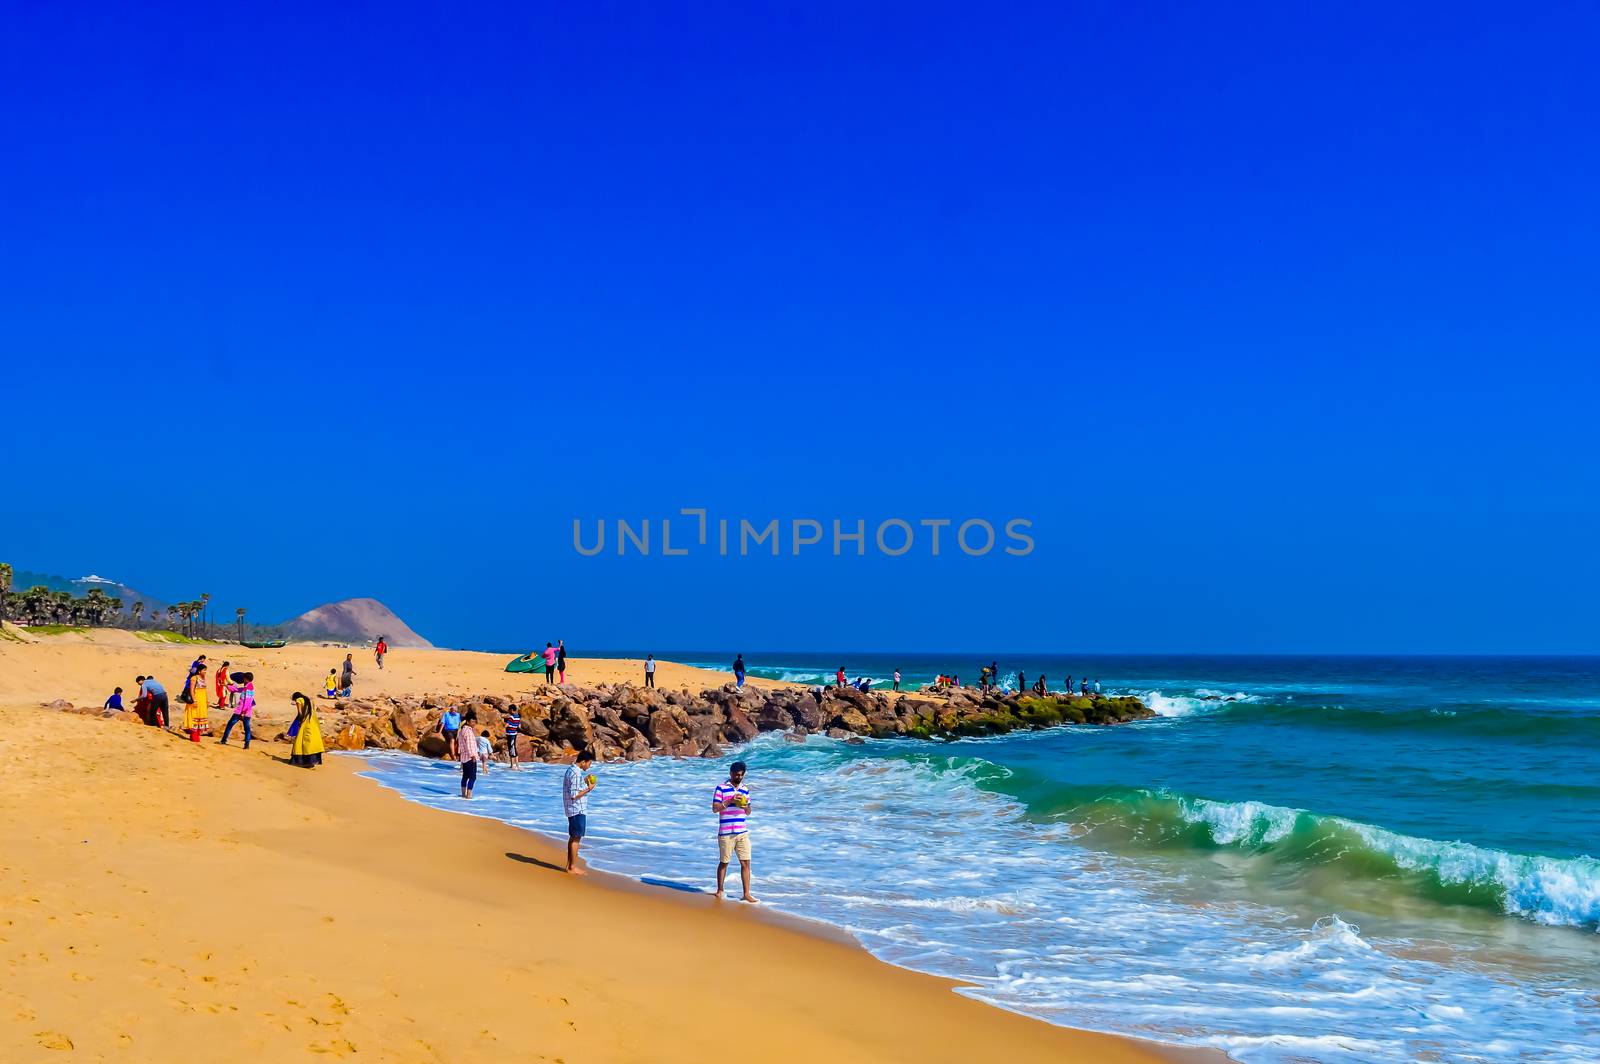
336, 918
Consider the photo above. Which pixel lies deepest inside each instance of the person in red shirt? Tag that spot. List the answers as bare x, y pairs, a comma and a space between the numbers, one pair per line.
222, 686
380, 650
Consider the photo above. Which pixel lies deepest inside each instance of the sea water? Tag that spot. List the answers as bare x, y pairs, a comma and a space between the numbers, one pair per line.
1299, 859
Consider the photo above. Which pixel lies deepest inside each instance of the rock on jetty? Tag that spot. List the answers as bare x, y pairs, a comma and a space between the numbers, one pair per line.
624, 722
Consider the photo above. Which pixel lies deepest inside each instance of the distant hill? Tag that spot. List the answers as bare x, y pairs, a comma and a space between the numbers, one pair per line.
22, 580
357, 620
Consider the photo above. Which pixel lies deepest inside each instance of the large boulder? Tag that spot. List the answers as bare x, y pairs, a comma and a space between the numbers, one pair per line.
852, 719
433, 745
668, 728
404, 725
568, 724
739, 728
349, 737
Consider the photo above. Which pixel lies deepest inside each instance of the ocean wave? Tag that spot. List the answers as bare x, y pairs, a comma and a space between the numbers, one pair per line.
1202, 700
1478, 721
1547, 890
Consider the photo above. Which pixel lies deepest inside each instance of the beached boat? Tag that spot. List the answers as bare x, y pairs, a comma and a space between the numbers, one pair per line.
526, 663
270, 644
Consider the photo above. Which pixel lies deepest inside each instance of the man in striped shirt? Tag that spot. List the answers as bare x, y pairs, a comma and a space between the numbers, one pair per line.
731, 803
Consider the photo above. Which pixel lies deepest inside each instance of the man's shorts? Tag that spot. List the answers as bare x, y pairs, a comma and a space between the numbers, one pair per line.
577, 826
728, 845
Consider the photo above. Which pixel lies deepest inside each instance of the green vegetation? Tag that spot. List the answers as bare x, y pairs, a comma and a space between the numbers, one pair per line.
166, 635
999, 716
54, 629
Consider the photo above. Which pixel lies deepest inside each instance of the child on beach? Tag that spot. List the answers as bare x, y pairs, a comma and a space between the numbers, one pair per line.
330, 686
245, 707
513, 729
575, 788
467, 753
485, 751
115, 701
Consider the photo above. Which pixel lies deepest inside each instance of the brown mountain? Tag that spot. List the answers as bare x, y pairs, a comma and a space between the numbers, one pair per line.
357, 620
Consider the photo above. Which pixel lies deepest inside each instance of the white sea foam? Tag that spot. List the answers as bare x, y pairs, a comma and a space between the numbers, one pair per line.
933, 873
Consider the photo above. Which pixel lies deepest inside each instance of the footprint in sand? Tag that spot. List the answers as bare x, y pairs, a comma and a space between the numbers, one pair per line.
53, 1040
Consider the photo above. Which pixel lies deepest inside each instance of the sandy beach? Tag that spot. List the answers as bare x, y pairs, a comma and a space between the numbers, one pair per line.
171, 901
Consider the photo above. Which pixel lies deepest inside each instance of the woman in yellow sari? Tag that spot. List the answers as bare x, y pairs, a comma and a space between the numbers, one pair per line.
195, 710
307, 748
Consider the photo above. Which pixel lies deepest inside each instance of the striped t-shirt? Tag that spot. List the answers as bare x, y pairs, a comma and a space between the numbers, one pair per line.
513, 724
731, 821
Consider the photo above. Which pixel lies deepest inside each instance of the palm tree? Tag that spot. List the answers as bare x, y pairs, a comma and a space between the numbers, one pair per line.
138, 611
240, 616
94, 605
36, 603
62, 605
5, 589
205, 599
113, 604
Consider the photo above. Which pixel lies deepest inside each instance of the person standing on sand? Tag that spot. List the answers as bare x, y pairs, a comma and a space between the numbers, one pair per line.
306, 749
379, 651
330, 686
738, 671
731, 802
513, 729
649, 670
246, 694
347, 676
467, 753
561, 661
549, 663
575, 788
222, 685
197, 710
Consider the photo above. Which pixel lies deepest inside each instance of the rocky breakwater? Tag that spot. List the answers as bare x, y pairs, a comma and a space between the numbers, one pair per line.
623, 722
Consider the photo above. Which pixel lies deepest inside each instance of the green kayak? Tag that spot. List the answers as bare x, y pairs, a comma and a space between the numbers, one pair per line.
530, 662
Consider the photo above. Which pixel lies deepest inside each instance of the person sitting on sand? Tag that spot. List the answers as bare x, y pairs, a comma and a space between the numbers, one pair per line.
467, 753
115, 701
731, 802
575, 788
306, 733
244, 706
330, 686
449, 724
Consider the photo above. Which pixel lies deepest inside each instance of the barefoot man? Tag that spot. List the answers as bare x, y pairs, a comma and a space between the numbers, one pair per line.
731, 803
575, 788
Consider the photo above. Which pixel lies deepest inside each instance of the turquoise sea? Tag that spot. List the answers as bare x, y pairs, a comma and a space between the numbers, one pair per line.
1384, 859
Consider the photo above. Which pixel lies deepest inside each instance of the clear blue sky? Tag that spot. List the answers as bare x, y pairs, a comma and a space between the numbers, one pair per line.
1279, 322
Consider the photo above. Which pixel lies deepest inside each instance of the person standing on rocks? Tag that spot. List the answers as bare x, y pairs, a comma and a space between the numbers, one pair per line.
897, 679
549, 663
575, 788
731, 802
561, 661
513, 729
467, 753
347, 675
738, 671
838, 678
649, 670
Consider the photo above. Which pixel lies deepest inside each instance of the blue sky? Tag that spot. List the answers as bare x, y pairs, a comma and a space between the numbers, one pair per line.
1279, 324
